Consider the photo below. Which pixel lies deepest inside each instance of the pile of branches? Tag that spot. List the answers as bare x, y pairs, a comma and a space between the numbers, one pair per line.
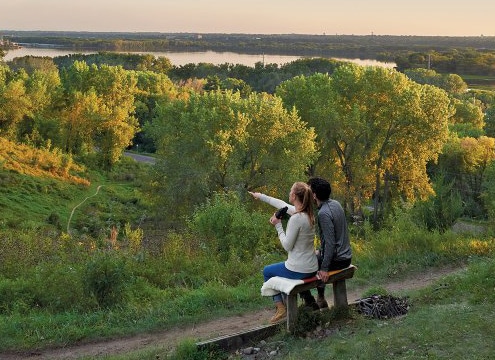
383, 306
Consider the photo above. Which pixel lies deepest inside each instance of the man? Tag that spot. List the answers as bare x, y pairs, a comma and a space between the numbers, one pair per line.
335, 247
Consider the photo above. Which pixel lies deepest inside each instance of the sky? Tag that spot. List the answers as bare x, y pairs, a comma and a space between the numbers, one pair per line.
349, 17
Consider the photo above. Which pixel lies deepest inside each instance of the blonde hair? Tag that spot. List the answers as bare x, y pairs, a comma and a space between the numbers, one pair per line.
305, 196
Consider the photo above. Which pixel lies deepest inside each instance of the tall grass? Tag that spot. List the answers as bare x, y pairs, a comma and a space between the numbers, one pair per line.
404, 247
94, 289
107, 278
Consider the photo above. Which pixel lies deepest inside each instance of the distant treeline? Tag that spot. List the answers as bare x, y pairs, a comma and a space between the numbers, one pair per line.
383, 47
260, 78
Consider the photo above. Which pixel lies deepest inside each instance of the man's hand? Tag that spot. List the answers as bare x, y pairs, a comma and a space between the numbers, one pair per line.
323, 275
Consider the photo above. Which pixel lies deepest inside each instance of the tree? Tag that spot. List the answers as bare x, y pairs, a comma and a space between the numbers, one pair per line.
219, 141
113, 124
488, 194
32, 63
313, 97
468, 118
44, 90
380, 127
452, 83
15, 105
150, 63
151, 87
490, 121
464, 162
79, 123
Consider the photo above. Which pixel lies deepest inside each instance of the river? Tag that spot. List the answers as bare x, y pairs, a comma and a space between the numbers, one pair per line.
182, 58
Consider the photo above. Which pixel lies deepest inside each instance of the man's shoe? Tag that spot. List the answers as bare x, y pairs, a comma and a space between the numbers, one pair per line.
322, 303
311, 304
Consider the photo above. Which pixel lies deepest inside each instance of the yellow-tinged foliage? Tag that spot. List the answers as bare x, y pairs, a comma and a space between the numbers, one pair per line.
481, 247
24, 159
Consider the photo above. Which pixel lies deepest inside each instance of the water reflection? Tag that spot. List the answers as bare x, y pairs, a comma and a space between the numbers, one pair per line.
182, 58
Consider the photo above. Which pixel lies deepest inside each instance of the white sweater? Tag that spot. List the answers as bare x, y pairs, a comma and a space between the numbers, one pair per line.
298, 240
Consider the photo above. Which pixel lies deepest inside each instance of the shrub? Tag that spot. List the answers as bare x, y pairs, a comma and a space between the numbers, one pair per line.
228, 228
58, 287
106, 277
442, 210
15, 296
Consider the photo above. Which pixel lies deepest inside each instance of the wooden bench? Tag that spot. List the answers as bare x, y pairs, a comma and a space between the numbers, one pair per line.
337, 279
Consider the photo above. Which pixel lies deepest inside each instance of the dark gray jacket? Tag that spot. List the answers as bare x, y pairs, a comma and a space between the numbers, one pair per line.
334, 235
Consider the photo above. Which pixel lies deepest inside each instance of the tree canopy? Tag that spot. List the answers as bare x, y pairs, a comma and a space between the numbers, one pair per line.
219, 141
380, 127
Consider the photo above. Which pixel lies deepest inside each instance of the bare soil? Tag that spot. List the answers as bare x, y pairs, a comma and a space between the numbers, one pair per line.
204, 331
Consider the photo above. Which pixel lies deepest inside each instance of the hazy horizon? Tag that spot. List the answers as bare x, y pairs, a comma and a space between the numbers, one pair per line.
353, 17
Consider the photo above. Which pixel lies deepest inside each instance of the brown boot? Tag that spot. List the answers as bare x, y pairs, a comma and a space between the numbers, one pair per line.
280, 314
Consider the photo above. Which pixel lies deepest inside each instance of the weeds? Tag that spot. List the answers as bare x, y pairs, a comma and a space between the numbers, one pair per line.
108, 278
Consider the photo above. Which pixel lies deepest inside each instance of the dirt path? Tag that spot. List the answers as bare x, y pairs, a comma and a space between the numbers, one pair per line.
204, 331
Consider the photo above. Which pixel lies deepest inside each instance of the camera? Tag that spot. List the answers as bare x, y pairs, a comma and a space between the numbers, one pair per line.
281, 212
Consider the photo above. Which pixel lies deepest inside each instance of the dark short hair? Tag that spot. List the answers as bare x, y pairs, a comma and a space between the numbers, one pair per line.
320, 187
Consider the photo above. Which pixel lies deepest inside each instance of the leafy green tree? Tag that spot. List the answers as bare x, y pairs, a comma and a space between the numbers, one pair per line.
43, 88
219, 141
464, 162
488, 193
152, 87
439, 211
118, 126
490, 122
452, 83
15, 105
380, 127
32, 63
111, 119
213, 83
314, 97
149, 62
79, 122
237, 85
468, 119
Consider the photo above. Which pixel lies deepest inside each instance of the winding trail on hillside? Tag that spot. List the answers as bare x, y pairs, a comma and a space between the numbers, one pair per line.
167, 340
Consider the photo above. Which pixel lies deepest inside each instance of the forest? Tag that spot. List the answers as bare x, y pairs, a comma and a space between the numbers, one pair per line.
409, 152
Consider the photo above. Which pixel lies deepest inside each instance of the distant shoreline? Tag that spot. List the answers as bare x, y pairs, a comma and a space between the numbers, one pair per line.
383, 48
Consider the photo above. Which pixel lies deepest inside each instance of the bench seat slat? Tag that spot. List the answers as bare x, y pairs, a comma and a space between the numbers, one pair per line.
335, 275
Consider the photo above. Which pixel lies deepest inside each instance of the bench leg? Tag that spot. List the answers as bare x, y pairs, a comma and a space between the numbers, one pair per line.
291, 312
339, 293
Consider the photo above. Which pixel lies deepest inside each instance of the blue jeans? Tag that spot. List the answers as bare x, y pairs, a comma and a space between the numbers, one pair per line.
279, 269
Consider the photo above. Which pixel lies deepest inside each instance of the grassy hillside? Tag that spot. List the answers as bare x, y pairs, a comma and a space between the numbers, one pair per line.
42, 188
101, 279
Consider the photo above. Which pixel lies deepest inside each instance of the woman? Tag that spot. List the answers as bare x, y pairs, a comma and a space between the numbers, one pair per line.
297, 240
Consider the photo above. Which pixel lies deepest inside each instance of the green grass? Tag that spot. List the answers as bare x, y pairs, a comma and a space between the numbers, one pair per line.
28, 202
451, 319
37, 330
151, 308
45, 301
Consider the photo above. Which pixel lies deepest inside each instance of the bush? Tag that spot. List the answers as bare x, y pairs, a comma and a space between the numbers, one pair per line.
228, 228
106, 278
441, 211
15, 296
58, 287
